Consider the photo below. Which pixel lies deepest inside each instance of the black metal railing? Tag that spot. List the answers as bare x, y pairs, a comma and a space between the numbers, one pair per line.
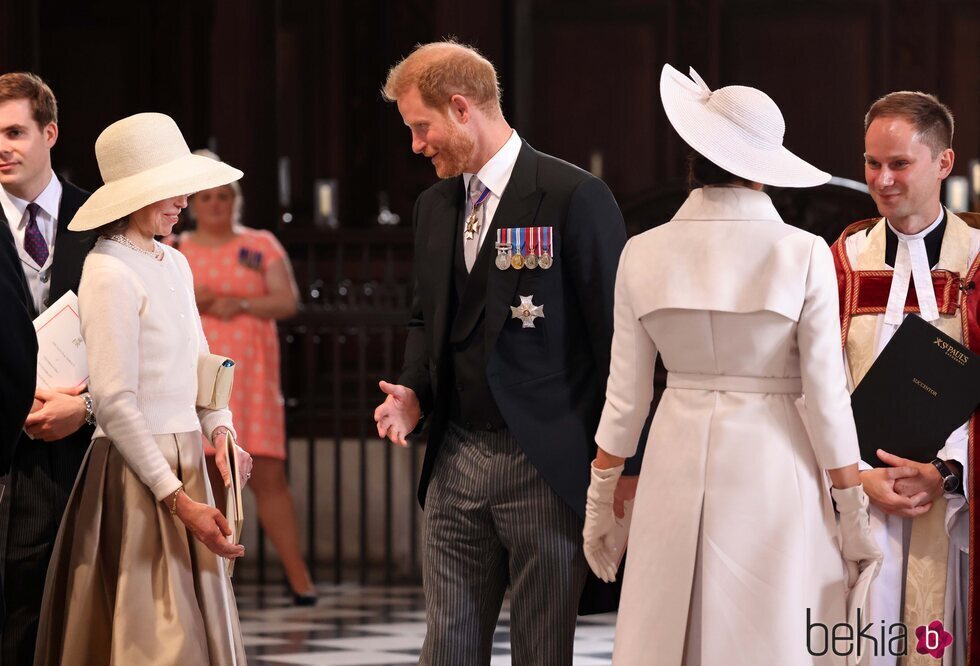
355, 492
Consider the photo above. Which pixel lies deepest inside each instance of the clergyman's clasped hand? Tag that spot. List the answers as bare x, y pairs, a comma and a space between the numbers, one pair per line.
399, 414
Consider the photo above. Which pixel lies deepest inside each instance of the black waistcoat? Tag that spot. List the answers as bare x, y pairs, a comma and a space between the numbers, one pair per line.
471, 404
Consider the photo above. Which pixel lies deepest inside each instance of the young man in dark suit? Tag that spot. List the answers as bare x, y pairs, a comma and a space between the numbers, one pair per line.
506, 359
36, 207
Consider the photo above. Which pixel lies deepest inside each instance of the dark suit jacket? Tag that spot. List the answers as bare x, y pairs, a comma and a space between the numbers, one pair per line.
41, 474
548, 381
18, 351
70, 249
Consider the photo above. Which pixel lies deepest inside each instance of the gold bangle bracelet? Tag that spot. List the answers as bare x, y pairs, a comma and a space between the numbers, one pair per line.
173, 507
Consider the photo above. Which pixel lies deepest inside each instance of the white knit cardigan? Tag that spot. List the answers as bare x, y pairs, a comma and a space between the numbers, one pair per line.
144, 337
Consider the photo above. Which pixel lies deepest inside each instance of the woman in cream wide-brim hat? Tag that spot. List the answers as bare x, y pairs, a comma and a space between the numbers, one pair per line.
733, 539
137, 575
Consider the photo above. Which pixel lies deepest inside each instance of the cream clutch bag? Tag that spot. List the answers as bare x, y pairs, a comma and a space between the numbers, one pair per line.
215, 376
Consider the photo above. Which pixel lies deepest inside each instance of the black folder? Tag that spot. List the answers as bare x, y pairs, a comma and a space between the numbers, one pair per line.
922, 386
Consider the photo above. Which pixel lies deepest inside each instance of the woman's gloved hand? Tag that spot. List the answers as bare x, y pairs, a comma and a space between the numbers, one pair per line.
600, 522
858, 546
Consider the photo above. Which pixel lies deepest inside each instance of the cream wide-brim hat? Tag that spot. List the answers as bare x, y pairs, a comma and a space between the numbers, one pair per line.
738, 128
144, 159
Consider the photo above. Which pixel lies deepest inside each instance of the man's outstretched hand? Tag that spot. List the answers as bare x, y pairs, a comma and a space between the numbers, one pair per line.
398, 414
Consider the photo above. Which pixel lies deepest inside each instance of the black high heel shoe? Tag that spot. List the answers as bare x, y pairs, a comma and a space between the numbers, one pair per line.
302, 599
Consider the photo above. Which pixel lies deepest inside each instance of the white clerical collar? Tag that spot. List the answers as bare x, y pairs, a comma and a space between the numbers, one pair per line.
922, 234
48, 201
495, 174
912, 264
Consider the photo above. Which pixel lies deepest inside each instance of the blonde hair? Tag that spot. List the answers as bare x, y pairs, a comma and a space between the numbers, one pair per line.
236, 189
442, 69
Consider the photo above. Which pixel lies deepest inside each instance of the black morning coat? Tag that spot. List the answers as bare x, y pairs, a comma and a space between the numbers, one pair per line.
548, 381
69, 254
38, 476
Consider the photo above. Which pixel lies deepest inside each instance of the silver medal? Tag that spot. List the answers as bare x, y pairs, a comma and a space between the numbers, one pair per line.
527, 311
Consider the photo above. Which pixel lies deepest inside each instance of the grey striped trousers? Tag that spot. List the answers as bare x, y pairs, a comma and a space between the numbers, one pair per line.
492, 521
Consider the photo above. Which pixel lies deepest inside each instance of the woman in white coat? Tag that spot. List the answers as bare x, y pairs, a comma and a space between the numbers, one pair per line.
734, 555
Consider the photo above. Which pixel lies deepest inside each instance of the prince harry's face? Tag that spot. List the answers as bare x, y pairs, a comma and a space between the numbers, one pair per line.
436, 134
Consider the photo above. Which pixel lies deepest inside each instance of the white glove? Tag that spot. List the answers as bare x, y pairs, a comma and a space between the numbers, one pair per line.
600, 522
858, 546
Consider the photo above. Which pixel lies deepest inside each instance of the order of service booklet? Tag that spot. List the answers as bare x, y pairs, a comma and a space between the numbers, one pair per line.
923, 385
61, 360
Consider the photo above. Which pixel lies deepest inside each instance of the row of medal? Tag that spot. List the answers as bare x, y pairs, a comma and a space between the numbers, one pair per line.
524, 247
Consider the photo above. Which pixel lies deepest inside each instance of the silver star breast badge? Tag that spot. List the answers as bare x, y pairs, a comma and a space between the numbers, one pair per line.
527, 311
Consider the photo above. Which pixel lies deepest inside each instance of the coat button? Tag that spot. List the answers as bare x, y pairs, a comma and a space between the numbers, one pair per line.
490, 427
459, 387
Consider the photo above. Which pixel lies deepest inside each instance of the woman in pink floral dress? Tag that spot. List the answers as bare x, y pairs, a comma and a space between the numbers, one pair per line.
244, 283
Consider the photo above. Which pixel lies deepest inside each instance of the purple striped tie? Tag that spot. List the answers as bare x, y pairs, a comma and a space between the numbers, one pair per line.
34, 242
471, 242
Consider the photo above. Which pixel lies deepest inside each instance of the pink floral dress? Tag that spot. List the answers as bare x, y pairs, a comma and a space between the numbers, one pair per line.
238, 269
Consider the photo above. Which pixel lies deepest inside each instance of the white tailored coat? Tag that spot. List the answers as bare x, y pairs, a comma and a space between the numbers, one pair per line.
733, 545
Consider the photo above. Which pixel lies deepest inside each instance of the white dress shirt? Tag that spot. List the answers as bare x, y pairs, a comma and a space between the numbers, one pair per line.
15, 209
494, 175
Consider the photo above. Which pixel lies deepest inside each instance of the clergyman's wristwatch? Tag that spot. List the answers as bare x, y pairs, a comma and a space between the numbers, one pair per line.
951, 482
89, 409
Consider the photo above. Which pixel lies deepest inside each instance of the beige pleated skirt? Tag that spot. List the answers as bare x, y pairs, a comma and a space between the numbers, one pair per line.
128, 584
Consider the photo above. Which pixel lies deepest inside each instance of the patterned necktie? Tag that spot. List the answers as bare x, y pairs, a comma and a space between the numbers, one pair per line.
34, 242
471, 236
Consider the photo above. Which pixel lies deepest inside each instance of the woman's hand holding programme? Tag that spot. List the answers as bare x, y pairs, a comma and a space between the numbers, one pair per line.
243, 459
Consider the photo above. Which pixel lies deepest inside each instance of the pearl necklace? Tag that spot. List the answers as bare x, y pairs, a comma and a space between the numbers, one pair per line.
122, 240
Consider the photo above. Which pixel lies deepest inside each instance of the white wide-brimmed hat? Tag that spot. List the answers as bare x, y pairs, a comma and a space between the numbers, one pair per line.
144, 159
738, 128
